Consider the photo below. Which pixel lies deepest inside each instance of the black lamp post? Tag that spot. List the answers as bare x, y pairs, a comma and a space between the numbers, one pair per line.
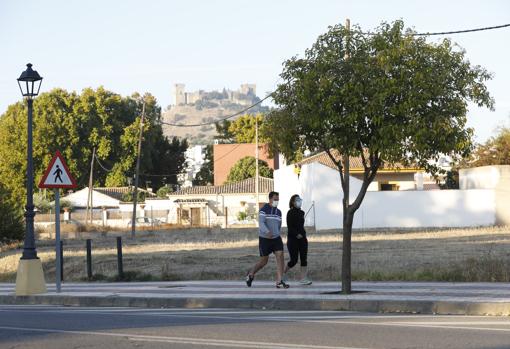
29, 84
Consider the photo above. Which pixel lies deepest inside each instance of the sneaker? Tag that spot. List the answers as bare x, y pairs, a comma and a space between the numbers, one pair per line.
249, 280
282, 284
305, 282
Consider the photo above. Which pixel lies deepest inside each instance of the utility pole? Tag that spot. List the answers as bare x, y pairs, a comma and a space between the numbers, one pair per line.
137, 172
90, 204
257, 165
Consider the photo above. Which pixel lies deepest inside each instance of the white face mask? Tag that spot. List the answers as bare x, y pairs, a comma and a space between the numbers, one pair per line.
275, 203
298, 203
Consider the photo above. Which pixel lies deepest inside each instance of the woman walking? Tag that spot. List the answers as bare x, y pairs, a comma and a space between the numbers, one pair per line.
297, 244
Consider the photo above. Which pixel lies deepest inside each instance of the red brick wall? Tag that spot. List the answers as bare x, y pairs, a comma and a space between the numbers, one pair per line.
226, 155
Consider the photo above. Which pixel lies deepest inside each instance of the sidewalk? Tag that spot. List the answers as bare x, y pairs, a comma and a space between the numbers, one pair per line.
405, 297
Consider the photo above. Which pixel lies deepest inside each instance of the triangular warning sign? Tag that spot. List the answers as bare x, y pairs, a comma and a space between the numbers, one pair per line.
57, 174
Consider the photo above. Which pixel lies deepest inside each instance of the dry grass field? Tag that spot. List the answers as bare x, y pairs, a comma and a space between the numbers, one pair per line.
481, 254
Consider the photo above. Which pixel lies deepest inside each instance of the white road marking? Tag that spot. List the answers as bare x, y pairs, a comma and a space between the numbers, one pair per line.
181, 340
410, 324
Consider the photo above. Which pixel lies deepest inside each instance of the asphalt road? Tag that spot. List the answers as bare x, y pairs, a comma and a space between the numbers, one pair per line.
43, 327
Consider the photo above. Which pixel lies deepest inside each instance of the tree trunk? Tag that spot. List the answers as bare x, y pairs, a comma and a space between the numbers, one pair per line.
346, 251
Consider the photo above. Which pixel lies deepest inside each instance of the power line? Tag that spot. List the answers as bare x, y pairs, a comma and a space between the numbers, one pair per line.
101, 165
219, 120
452, 32
364, 33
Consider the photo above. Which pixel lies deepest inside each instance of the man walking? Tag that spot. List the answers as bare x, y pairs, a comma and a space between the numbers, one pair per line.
270, 241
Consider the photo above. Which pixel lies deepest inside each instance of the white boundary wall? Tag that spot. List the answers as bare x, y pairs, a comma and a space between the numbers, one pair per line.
386, 209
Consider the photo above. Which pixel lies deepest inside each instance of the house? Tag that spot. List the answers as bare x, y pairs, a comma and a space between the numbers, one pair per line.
219, 205
227, 155
107, 197
395, 178
318, 183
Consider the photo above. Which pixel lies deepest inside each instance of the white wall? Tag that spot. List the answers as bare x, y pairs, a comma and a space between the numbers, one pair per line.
433, 208
383, 209
317, 184
485, 177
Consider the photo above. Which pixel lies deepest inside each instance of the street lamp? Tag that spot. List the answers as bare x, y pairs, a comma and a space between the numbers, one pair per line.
30, 276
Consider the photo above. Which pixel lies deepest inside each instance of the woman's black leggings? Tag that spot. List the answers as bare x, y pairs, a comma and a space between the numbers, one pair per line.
297, 247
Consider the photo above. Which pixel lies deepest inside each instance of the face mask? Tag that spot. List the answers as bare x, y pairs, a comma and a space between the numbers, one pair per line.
275, 203
298, 203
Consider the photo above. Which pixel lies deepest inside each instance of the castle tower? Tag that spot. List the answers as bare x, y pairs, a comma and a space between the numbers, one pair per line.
249, 89
179, 94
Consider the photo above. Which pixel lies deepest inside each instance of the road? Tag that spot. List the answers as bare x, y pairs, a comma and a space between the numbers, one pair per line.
44, 327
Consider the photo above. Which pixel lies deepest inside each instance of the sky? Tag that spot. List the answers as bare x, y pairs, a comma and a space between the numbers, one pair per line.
147, 46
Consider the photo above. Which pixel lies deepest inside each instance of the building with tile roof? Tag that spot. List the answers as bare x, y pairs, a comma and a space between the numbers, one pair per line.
220, 205
398, 177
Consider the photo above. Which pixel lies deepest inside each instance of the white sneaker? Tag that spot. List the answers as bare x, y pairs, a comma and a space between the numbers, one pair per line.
305, 282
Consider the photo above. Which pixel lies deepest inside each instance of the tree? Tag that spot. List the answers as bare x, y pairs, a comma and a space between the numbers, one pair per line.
11, 219
391, 99
206, 174
496, 151
163, 192
75, 124
245, 168
223, 135
243, 128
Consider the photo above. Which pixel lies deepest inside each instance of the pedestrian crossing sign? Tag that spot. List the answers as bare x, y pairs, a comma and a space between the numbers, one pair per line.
57, 174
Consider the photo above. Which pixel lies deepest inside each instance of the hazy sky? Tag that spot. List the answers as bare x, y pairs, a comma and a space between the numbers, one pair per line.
142, 46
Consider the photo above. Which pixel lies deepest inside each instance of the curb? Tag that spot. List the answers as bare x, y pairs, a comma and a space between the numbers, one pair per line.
374, 306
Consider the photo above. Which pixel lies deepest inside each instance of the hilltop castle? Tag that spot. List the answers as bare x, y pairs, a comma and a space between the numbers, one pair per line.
246, 95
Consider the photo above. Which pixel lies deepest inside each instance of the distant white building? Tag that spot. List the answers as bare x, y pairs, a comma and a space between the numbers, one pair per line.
195, 159
109, 197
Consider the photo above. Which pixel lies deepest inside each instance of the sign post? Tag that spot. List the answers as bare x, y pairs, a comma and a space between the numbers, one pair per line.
57, 176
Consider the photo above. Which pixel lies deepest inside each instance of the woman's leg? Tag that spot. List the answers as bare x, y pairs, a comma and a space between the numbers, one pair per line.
293, 248
303, 257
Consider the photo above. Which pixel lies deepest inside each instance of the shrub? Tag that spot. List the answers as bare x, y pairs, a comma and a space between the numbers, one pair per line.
11, 220
163, 192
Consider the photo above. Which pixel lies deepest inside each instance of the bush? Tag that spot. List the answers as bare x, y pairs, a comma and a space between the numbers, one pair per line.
163, 192
242, 216
128, 197
42, 204
11, 220
65, 204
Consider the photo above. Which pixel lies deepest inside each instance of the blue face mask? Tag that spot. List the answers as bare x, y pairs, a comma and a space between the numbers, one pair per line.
298, 203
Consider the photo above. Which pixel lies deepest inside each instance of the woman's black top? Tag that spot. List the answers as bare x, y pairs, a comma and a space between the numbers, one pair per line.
296, 222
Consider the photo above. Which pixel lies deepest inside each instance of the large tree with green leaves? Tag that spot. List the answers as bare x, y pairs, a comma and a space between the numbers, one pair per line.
206, 174
242, 129
75, 124
391, 98
246, 168
495, 151
11, 219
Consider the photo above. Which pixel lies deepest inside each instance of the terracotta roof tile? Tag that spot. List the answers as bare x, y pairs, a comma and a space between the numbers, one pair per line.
245, 186
355, 163
118, 192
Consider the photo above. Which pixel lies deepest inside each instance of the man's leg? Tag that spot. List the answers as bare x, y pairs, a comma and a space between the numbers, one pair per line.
279, 265
260, 264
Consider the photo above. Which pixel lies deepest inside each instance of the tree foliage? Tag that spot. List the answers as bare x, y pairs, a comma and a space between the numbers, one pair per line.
496, 151
206, 174
223, 135
75, 124
11, 219
246, 168
391, 98
242, 129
